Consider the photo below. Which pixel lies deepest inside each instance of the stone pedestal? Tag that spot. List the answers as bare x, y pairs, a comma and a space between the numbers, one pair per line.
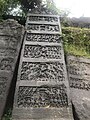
42, 90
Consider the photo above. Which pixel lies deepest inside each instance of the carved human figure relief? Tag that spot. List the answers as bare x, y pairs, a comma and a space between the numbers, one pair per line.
43, 96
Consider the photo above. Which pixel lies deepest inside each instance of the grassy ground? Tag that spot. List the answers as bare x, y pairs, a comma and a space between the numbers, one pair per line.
76, 41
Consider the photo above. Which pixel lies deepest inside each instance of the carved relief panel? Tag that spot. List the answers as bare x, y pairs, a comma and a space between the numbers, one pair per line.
79, 68
37, 51
43, 28
8, 46
79, 83
43, 18
42, 71
79, 73
43, 37
43, 96
7, 64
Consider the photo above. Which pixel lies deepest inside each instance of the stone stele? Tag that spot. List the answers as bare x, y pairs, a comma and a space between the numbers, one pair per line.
11, 34
79, 79
42, 90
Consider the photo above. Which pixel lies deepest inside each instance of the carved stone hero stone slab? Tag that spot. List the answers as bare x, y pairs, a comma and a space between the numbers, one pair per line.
42, 90
10, 42
79, 78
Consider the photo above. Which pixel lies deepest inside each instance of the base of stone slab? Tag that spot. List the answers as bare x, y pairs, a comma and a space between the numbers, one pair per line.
42, 114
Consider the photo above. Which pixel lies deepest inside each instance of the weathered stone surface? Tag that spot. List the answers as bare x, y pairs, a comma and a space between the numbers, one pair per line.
42, 90
11, 34
79, 78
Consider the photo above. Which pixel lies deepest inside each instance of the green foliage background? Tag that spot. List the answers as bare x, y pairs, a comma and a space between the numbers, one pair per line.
76, 41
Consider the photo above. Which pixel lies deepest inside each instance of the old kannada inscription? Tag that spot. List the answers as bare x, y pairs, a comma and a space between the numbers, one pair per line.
43, 18
79, 83
79, 74
49, 52
8, 45
43, 28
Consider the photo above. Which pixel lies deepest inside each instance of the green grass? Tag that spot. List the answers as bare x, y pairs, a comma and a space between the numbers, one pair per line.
73, 50
76, 41
7, 115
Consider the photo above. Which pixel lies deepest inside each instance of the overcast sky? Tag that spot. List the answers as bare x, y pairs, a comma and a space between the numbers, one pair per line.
77, 8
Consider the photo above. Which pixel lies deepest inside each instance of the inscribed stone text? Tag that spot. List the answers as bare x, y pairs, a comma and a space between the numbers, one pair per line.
82, 71
79, 83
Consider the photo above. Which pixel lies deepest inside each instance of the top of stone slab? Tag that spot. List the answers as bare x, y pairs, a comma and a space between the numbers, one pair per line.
7, 27
42, 10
